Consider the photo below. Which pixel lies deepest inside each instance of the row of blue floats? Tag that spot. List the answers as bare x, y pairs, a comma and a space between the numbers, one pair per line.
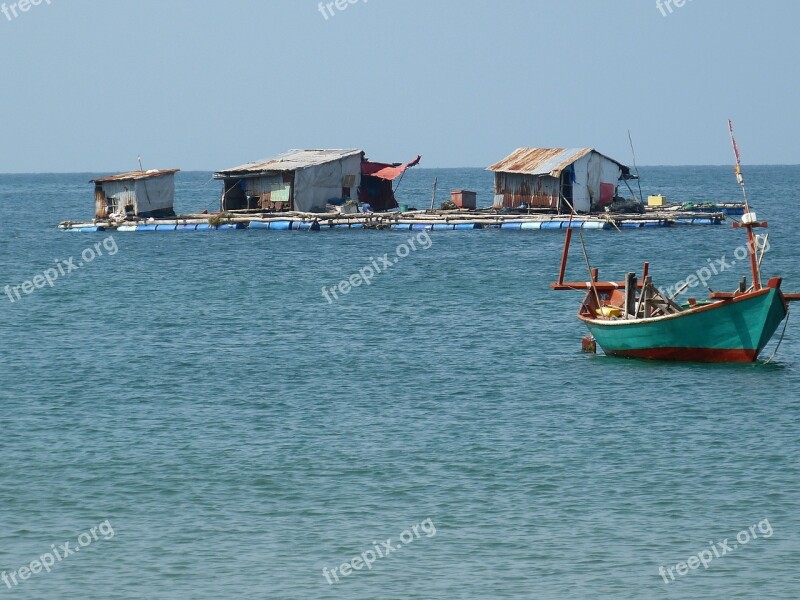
316, 226
277, 225
296, 225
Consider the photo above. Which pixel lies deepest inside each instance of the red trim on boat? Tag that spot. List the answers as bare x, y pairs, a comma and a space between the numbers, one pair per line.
711, 355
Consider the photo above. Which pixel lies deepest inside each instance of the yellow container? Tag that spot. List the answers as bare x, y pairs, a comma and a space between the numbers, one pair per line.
656, 200
610, 311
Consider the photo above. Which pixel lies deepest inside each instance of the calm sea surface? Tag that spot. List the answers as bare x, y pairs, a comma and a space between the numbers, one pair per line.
196, 394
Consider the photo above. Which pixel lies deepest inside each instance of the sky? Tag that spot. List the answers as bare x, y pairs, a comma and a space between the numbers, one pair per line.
87, 85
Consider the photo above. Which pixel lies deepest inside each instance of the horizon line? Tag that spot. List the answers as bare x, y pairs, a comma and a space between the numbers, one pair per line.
418, 169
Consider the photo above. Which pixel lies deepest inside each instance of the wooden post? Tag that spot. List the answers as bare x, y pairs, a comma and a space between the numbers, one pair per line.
564, 255
743, 285
644, 299
630, 295
435, 185
752, 248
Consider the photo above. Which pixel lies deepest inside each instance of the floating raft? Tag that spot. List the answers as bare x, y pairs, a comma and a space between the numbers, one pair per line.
409, 221
729, 209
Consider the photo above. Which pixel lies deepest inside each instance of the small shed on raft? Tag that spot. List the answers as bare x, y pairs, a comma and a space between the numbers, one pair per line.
376, 183
308, 180
545, 177
142, 194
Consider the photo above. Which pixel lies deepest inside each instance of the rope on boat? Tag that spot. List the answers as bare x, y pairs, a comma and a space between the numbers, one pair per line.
785, 324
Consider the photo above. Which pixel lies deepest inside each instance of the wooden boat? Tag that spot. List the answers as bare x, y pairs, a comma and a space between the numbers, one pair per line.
633, 319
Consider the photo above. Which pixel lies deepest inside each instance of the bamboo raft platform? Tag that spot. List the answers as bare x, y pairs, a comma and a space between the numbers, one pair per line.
437, 220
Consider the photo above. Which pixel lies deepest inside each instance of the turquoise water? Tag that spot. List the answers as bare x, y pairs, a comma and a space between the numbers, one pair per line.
240, 434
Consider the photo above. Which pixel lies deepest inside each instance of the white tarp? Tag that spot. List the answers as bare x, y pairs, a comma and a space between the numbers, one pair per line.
315, 185
611, 173
590, 171
580, 187
155, 194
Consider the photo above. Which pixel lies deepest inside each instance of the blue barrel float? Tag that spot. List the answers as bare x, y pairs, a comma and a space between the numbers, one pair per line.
231, 226
306, 225
90, 229
551, 224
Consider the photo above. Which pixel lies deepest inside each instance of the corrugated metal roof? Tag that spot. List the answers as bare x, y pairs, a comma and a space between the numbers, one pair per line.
291, 161
134, 175
544, 161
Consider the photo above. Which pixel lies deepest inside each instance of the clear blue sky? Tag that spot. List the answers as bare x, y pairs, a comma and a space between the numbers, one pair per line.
201, 85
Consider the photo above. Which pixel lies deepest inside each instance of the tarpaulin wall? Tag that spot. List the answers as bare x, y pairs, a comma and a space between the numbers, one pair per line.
315, 185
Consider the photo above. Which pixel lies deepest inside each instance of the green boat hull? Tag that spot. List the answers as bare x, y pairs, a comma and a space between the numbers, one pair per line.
726, 331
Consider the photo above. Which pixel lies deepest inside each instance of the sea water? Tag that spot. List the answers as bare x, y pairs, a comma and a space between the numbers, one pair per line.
192, 416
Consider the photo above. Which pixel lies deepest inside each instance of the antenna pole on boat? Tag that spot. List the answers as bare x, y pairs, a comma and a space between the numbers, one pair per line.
141, 168
749, 219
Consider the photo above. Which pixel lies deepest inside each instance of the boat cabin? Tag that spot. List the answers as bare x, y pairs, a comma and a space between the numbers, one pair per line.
142, 194
557, 178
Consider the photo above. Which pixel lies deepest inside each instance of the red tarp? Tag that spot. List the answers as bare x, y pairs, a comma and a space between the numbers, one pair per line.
607, 191
387, 171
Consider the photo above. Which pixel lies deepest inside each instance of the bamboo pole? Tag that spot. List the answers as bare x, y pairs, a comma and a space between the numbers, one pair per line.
435, 186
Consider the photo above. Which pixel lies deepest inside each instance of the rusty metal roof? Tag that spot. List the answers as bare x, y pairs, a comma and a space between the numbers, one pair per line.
544, 161
290, 161
134, 175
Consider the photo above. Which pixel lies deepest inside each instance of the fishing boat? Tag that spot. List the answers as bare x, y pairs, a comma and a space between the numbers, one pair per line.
634, 319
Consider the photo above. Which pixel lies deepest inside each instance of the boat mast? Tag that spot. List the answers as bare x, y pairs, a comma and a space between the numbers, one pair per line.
749, 218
